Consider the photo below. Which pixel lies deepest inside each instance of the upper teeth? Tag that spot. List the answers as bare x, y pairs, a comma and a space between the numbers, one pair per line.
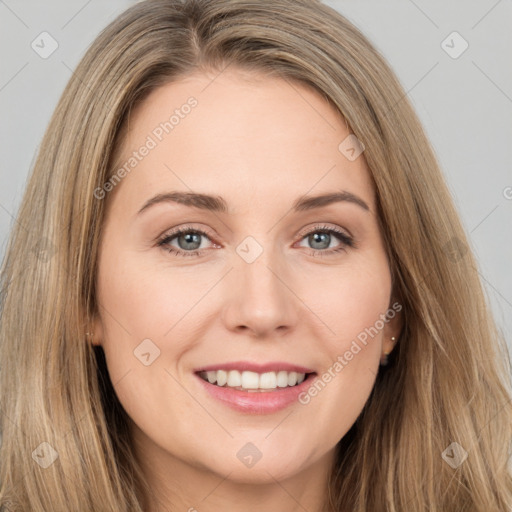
253, 380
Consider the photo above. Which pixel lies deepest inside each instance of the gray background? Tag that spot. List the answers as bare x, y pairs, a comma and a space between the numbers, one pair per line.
465, 103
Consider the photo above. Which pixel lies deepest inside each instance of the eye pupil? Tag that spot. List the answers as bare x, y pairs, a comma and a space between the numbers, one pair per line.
190, 239
316, 237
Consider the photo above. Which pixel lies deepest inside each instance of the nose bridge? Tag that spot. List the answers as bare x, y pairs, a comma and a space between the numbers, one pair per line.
262, 274
259, 267
261, 301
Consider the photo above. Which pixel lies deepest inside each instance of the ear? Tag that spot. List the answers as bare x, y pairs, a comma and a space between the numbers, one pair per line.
95, 331
393, 326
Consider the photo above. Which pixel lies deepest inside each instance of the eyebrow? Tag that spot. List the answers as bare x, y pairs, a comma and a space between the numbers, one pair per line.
218, 204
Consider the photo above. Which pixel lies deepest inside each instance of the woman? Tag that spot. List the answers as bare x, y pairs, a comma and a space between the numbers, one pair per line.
250, 288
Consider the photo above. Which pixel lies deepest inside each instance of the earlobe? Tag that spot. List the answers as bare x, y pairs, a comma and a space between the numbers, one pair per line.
91, 339
386, 352
94, 333
391, 331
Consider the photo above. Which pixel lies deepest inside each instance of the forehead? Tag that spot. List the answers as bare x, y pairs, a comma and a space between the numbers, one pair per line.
239, 135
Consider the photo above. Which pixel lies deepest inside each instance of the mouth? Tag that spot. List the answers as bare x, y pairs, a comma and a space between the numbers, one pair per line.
254, 382
251, 388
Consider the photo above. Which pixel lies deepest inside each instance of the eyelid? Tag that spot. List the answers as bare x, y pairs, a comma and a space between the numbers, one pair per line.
188, 227
324, 226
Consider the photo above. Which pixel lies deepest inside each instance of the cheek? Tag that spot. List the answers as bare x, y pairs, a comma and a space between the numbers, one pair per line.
351, 305
142, 310
147, 308
350, 301
144, 300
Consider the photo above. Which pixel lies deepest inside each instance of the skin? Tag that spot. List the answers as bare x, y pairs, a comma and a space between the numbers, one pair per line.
260, 143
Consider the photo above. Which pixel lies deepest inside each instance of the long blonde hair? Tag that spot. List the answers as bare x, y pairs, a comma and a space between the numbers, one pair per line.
448, 377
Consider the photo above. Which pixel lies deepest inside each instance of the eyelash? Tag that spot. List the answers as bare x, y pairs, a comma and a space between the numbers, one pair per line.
346, 241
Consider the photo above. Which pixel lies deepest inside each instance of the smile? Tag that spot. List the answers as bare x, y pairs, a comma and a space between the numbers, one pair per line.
252, 392
253, 381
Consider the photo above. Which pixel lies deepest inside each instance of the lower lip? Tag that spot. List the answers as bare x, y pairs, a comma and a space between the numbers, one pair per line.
258, 402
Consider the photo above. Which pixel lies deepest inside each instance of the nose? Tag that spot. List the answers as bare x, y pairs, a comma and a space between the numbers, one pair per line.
260, 299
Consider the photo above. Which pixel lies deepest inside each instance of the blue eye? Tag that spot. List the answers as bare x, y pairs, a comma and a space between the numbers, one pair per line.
322, 237
189, 241
188, 238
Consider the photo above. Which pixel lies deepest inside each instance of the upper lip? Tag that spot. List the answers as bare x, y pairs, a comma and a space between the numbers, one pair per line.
273, 366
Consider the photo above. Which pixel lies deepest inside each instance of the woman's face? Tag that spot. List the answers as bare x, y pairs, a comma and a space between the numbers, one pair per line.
254, 280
